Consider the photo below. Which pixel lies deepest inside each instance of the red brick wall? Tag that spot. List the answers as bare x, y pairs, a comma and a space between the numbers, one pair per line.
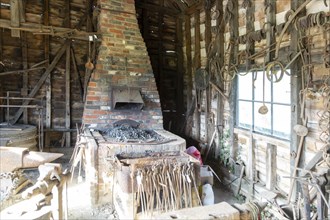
121, 41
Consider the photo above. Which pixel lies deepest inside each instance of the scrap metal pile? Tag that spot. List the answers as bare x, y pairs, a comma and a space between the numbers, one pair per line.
127, 133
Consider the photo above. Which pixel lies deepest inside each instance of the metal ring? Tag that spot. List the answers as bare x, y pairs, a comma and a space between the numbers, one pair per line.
320, 19
270, 73
230, 69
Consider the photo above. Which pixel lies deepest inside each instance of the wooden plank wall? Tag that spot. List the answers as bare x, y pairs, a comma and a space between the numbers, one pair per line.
60, 91
270, 154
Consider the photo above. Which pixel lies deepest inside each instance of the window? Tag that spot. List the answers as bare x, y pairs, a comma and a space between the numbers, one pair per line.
254, 91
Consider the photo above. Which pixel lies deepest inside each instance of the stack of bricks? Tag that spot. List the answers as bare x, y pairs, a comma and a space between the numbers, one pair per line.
122, 60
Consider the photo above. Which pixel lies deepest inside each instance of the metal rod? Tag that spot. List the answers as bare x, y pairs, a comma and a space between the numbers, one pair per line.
7, 108
19, 106
19, 98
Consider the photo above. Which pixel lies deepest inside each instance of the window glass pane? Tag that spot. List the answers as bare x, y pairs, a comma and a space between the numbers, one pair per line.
282, 119
282, 90
262, 122
258, 87
245, 87
244, 114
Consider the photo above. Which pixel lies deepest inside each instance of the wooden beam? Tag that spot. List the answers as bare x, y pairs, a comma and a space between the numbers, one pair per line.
49, 30
68, 97
271, 166
67, 23
20, 71
40, 82
219, 41
77, 74
232, 86
296, 86
189, 61
160, 70
21, 6
25, 79
1, 86
197, 57
48, 119
271, 21
158, 8
67, 20
195, 7
209, 128
180, 72
14, 17
89, 23
196, 65
181, 5
250, 47
208, 34
251, 165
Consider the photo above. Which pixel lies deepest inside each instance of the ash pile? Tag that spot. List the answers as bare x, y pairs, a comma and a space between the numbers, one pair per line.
128, 131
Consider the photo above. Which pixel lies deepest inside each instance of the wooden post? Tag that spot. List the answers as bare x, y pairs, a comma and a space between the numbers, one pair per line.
271, 21
271, 166
178, 48
89, 23
196, 65
68, 98
270, 39
189, 60
1, 86
296, 86
77, 74
233, 30
14, 17
219, 40
251, 166
209, 129
48, 82
208, 35
250, 47
24, 91
67, 23
160, 51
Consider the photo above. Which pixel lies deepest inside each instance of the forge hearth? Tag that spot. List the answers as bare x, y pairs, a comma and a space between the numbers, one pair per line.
101, 154
133, 134
122, 91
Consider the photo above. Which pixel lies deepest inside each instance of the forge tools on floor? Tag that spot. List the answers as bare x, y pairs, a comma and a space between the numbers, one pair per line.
156, 182
40, 201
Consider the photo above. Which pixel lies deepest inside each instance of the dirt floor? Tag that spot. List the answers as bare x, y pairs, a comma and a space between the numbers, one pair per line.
78, 200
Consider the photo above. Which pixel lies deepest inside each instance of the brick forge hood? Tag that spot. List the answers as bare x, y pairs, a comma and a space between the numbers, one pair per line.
122, 65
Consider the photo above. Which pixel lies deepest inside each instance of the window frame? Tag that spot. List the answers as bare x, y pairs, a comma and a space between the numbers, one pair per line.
271, 103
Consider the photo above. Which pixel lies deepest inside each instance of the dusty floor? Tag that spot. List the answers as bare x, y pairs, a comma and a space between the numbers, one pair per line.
79, 205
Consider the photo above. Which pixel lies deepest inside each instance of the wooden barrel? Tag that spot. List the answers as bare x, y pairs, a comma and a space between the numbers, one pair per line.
19, 135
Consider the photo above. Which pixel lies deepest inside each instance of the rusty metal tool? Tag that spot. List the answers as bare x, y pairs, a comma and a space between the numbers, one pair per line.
13, 158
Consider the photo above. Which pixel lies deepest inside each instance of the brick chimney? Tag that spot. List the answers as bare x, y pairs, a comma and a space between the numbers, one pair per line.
122, 62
